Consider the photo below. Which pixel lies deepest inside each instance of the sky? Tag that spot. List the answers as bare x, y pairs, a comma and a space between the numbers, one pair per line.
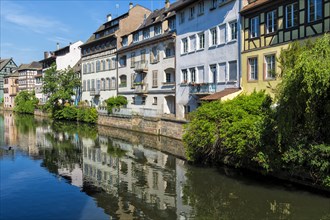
28, 28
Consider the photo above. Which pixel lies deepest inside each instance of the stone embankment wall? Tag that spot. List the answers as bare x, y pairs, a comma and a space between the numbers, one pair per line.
158, 126
38, 112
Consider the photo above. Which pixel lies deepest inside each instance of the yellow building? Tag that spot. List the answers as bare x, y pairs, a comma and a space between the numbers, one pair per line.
271, 25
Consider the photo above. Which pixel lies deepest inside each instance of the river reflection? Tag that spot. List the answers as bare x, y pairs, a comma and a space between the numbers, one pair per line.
128, 178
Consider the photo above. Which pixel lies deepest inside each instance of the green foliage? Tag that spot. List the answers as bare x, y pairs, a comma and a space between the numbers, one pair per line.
115, 102
304, 94
60, 87
73, 113
228, 132
25, 102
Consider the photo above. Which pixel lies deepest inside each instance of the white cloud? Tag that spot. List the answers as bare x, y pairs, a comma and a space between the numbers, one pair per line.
15, 14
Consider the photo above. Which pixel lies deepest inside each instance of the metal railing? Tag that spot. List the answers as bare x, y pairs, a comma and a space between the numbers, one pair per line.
94, 92
141, 88
141, 66
202, 88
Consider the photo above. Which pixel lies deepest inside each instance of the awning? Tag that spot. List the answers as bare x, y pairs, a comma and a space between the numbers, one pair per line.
221, 94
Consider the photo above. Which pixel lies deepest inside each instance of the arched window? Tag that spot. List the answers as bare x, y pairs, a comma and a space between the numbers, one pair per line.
85, 69
103, 65
108, 82
98, 66
89, 68
123, 81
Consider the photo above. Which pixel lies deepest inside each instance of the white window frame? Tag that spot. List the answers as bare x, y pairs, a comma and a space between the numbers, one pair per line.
253, 68
200, 8
271, 21
254, 27
192, 72
270, 65
201, 40
213, 36
184, 43
233, 31
184, 74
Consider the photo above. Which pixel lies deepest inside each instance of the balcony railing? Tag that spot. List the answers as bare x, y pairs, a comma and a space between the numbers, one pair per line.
94, 92
141, 66
140, 88
205, 88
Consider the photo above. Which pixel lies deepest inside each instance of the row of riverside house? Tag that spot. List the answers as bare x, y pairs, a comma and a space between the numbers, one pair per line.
166, 62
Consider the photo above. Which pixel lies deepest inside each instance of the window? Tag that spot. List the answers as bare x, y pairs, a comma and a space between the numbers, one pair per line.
92, 68
84, 68
184, 76
271, 23
201, 40
154, 101
113, 83
123, 81
168, 77
233, 70
181, 17
133, 100
291, 15
192, 41
192, 74
214, 4
146, 33
143, 102
122, 61
222, 30
270, 66
314, 10
155, 78
93, 85
233, 30
109, 64
98, 85
143, 56
84, 85
222, 72
254, 27
213, 73
253, 68
89, 68
200, 76
132, 60
103, 84
158, 30
214, 36
135, 37
154, 55
192, 12
201, 8
124, 41
171, 24
103, 65
184, 45
108, 84
113, 63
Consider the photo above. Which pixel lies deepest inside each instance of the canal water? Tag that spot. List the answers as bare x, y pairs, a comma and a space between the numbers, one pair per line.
59, 170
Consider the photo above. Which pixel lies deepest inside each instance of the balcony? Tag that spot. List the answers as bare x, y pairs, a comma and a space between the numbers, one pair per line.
140, 88
141, 66
202, 88
94, 92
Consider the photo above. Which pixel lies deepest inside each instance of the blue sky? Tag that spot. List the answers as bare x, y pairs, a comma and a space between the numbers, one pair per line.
28, 28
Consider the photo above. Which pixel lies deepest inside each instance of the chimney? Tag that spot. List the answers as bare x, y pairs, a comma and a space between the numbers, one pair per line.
130, 5
109, 17
46, 54
167, 4
57, 46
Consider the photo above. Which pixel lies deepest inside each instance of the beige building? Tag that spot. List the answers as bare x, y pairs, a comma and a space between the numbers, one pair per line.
146, 66
10, 88
99, 59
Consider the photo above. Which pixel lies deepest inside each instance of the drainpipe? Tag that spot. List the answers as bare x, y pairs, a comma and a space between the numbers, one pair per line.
240, 3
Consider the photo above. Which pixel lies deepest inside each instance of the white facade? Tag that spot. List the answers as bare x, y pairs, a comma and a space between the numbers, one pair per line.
207, 51
99, 77
69, 59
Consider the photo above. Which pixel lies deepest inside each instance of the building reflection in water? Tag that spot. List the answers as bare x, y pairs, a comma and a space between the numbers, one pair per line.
136, 181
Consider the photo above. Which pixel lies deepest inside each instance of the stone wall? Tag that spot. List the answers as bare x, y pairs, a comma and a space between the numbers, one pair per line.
41, 113
157, 126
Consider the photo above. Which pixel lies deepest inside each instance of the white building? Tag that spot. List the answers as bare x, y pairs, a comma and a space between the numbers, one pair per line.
146, 67
68, 57
207, 51
27, 74
99, 58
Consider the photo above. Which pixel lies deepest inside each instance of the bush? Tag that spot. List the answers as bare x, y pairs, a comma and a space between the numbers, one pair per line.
115, 102
228, 132
89, 115
25, 102
73, 113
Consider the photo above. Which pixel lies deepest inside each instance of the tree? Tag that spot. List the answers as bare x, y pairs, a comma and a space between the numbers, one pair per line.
25, 102
59, 87
115, 102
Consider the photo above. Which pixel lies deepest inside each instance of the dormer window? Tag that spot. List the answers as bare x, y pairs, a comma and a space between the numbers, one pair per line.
135, 37
158, 30
124, 41
146, 33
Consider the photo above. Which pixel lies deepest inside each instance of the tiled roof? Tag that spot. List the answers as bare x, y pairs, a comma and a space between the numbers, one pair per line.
221, 94
3, 63
256, 4
32, 66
